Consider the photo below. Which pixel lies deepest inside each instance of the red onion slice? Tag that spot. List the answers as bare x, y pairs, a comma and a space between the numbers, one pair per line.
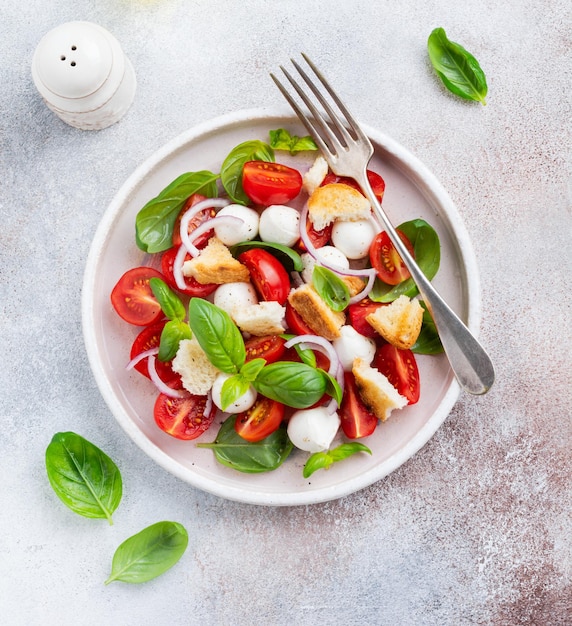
229, 220
178, 267
141, 356
161, 386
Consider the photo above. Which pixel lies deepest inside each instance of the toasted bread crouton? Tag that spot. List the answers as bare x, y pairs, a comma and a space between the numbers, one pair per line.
337, 201
215, 264
377, 393
355, 284
264, 318
315, 312
399, 323
313, 178
196, 371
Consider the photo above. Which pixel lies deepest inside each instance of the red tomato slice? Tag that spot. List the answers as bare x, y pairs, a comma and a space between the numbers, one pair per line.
271, 348
356, 419
261, 420
269, 278
133, 299
148, 338
319, 238
193, 287
401, 370
295, 322
386, 261
183, 418
375, 180
358, 312
200, 218
270, 183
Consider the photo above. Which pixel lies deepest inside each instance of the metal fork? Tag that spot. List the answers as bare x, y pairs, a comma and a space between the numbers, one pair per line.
348, 151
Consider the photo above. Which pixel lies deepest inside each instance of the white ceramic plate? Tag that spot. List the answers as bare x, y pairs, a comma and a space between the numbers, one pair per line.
411, 192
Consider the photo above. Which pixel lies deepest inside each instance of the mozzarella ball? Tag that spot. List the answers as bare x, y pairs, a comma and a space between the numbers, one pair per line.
327, 254
231, 234
243, 403
350, 345
354, 238
280, 224
313, 430
230, 296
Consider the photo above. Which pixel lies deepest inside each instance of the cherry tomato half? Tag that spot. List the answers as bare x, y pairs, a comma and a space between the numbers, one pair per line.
401, 370
295, 322
375, 180
270, 183
319, 238
359, 311
133, 299
270, 348
261, 420
269, 278
183, 418
356, 419
200, 218
150, 337
386, 261
193, 287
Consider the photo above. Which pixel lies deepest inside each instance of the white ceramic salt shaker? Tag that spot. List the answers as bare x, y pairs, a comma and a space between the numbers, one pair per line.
83, 75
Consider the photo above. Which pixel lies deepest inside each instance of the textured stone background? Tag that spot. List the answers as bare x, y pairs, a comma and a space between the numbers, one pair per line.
476, 528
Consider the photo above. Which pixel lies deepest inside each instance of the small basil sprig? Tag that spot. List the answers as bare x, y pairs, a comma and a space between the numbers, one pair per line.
323, 460
289, 258
265, 455
238, 384
281, 139
84, 478
175, 330
149, 553
428, 341
231, 169
297, 385
331, 288
155, 221
457, 68
217, 335
427, 249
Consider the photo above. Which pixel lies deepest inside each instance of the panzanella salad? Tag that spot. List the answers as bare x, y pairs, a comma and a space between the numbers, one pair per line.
273, 296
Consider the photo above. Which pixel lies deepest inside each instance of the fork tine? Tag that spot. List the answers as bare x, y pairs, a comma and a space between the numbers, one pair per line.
349, 117
301, 115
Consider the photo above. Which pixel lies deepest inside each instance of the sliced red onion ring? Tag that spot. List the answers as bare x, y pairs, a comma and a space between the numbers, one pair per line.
296, 279
229, 220
368, 272
141, 356
161, 386
332, 406
208, 203
318, 343
178, 267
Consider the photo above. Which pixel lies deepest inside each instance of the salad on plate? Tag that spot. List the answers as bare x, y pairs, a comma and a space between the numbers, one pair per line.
269, 296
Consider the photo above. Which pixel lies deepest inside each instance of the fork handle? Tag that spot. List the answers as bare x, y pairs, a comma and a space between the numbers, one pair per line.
469, 361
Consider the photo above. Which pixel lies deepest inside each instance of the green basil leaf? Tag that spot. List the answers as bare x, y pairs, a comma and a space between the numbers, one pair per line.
294, 384
427, 248
232, 450
250, 370
169, 301
306, 355
457, 68
231, 169
149, 553
281, 139
428, 341
84, 478
217, 335
232, 389
172, 334
155, 221
331, 288
333, 388
289, 258
323, 460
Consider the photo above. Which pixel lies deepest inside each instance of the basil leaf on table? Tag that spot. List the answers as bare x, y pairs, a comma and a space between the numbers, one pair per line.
428, 341
427, 249
323, 460
281, 139
231, 169
249, 457
289, 258
297, 385
149, 553
457, 68
155, 221
84, 478
217, 335
331, 288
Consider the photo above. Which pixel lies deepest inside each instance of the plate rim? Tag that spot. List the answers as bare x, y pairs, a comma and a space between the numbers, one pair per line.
228, 492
